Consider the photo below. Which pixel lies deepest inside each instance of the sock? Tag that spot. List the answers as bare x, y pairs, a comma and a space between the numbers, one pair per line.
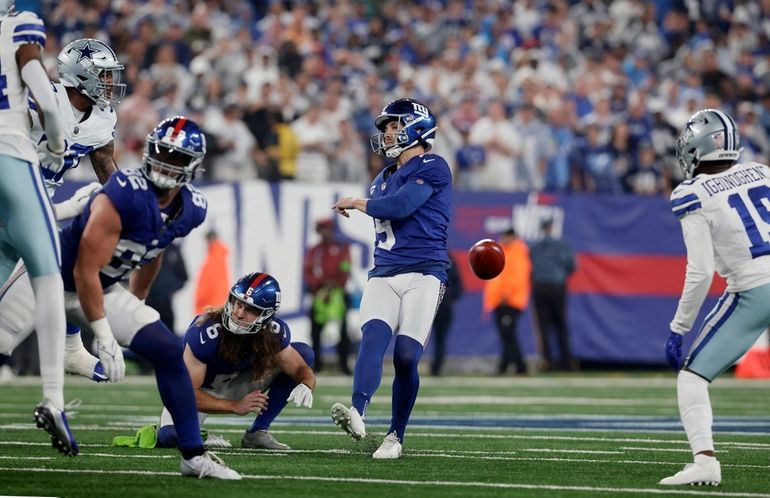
695, 411
405, 384
280, 388
72, 329
702, 459
50, 324
167, 437
368, 372
74, 341
164, 350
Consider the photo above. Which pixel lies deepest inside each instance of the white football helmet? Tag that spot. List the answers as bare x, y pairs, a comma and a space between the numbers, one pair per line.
91, 67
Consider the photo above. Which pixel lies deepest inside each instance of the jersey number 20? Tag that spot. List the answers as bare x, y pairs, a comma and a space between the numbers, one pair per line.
760, 197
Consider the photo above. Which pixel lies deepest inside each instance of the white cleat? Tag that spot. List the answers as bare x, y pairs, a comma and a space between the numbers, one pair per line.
349, 420
208, 465
709, 474
81, 362
389, 449
215, 442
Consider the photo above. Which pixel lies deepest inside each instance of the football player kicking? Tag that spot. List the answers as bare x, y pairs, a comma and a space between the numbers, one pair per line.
411, 205
121, 235
27, 225
238, 351
723, 209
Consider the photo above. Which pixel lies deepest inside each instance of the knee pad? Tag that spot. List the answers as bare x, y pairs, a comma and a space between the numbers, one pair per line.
305, 351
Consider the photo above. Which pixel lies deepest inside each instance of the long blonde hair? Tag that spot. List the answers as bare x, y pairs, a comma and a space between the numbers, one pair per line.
261, 349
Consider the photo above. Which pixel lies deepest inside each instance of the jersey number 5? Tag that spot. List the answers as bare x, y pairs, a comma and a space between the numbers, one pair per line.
760, 198
384, 232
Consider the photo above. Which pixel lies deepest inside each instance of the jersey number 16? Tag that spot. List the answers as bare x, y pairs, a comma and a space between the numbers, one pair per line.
760, 197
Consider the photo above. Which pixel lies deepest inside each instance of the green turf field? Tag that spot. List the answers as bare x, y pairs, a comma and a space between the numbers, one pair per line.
573, 436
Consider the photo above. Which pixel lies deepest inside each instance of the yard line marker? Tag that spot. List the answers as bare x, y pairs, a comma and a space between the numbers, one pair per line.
470, 484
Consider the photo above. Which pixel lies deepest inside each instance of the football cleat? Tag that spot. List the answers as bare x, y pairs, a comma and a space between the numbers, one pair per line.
81, 362
262, 440
54, 422
349, 420
208, 465
709, 474
389, 449
215, 441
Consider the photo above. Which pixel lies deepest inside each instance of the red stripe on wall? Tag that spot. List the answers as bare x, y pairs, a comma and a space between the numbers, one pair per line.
612, 274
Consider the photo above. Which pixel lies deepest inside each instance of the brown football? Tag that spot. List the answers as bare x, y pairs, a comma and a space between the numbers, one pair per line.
487, 259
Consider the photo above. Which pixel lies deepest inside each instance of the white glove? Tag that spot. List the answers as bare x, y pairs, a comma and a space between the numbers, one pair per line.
50, 160
77, 203
302, 396
110, 352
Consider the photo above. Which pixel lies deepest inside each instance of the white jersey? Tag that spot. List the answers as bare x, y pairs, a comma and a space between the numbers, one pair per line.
726, 225
82, 136
16, 30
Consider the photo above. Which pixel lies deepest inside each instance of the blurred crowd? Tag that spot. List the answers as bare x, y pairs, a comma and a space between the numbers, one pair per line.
531, 95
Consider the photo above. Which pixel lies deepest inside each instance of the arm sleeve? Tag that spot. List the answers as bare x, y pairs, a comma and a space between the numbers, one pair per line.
408, 198
38, 83
699, 273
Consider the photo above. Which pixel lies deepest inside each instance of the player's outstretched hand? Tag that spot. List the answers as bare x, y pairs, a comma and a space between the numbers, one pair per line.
50, 160
674, 351
254, 402
302, 396
342, 206
111, 355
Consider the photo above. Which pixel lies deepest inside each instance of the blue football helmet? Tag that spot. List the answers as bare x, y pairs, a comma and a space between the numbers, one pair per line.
261, 293
417, 126
173, 152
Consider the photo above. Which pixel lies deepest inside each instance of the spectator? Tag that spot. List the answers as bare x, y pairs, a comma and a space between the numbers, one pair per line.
444, 316
553, 261
507, 296
171, 278
326, 271
213, 285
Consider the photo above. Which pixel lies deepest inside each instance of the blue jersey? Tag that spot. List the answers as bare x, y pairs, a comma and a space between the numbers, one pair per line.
416, 242
145, 230
204, 340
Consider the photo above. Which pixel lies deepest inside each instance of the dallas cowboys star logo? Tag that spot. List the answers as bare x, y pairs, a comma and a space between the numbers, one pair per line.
85, 53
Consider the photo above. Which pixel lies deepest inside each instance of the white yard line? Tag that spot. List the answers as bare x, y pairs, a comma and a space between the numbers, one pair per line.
470, 484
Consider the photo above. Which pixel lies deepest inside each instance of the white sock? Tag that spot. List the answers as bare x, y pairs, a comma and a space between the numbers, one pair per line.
73, 342
702, 459
50, 325
695, 411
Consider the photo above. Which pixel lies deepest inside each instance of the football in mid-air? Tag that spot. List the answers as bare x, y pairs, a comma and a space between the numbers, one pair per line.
487, 259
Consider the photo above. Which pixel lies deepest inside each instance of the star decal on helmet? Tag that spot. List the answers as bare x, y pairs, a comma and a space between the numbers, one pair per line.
85, 53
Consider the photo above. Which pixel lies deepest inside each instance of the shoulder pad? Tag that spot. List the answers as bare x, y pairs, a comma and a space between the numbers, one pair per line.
27, 28
684, 200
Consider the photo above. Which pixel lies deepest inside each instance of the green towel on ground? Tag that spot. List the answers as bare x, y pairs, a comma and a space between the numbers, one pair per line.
146, 437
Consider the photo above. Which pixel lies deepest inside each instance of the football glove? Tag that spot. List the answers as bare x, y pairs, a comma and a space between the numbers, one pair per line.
302, 396
674, 351
77, 203
110, 352
50, 160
